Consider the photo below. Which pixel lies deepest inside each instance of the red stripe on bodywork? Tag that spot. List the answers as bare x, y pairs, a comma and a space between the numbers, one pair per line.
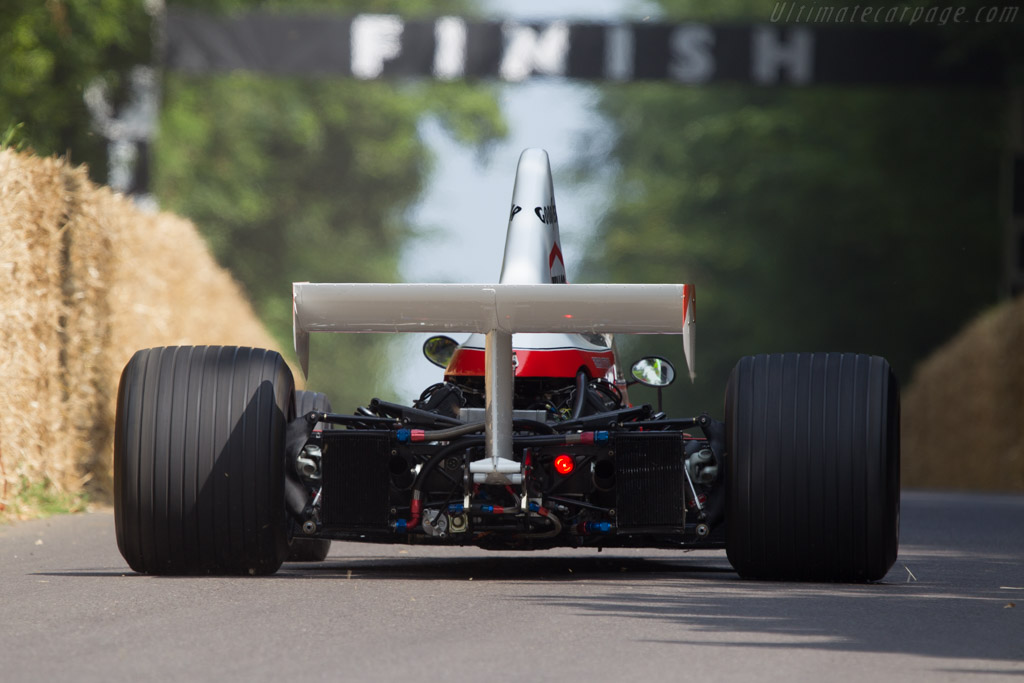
555, 253
689, 302
686, 301
536, 363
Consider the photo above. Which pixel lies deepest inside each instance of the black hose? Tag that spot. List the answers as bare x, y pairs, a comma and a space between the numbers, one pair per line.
607, 419
360, 419
473, 427
453, 432
461, 444
547, 440
412, 415
671, 424
581, 392
595, 402
524, 425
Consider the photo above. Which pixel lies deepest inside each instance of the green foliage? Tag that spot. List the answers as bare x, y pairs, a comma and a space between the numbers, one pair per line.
51, 52
854, 219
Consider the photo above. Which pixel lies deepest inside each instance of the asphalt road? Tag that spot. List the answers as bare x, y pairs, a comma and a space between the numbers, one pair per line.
952, 608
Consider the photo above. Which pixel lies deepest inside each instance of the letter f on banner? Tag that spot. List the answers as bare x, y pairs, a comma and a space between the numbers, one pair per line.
376, 38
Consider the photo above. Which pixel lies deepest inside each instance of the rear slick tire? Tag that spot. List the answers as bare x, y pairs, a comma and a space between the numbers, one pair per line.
309, 549
813, 450
199, 460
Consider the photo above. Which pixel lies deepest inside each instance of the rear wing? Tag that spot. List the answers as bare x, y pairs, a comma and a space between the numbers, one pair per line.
498, 311
486, 308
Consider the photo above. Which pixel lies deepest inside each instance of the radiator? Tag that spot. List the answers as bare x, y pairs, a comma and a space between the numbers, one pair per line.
649, 483
356, 480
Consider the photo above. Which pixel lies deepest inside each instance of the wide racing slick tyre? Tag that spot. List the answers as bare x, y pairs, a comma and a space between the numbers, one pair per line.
813, 457
199, 459
310, 549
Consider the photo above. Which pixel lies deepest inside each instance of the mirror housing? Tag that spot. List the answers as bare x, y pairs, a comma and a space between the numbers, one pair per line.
653, 371
439, 350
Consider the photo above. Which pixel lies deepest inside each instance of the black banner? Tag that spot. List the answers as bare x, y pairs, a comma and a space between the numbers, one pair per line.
371, 46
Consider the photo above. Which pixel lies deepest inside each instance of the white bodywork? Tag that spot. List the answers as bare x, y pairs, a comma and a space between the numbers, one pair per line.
533, 248
480, 308
529, 299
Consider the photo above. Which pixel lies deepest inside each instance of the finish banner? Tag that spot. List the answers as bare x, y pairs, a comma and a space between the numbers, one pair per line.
373, 46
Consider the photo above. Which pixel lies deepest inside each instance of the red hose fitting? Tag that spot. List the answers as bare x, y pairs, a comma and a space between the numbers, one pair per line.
415, 509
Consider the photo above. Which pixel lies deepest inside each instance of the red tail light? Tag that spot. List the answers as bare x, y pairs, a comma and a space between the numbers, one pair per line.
564, 464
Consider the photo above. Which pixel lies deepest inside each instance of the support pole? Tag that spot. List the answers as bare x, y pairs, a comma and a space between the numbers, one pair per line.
498, 380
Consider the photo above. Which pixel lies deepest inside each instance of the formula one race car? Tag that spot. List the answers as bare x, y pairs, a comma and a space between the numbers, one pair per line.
530, 442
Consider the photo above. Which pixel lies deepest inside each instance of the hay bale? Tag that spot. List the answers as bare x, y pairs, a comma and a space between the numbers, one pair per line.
962, 413
86, 279
163, 288
32, 218
168, 289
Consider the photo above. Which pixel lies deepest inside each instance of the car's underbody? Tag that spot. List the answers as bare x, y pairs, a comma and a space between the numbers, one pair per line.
618, 476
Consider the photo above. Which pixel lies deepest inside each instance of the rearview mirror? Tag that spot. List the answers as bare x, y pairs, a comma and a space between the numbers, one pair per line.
653, 371
439, 350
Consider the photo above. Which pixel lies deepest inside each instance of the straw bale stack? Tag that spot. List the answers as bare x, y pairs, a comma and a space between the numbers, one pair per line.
32, 206
86, 279
963, 414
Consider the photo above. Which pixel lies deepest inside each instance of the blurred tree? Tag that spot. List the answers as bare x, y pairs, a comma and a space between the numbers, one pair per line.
853, 219
310, 180
51, 52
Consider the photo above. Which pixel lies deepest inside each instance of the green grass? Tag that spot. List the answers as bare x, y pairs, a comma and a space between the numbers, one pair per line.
42, 499
13, 137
